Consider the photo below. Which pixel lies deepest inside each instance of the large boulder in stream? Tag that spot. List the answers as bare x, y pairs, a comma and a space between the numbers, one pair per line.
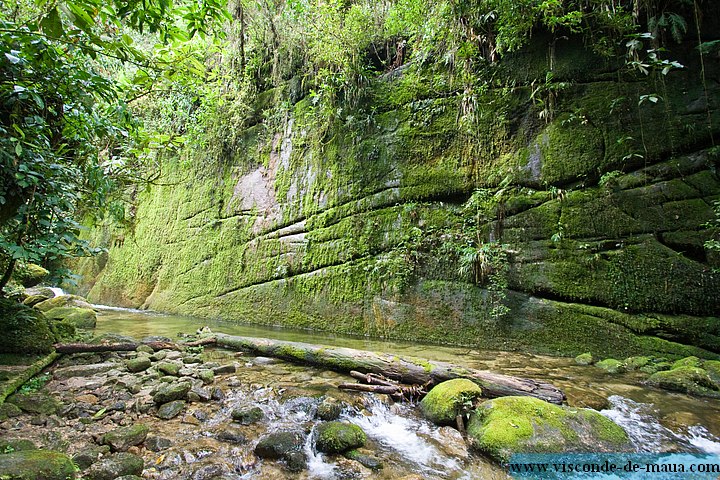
36, 464
169, 392
449, 399
63, 301
115, 466
24, 329
686, 379
506, 426
338, 437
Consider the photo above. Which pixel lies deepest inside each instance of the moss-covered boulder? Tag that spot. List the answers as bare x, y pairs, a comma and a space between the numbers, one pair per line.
585, 359
29, 274
36, 465
24, 329
169, 368
687, 379
610, 365
123, 438
247, 416
80, 317
63, 301
505, 426
169, 392
35, 295
688, 362
139, 364
171, 409
16, 445
446, 400
36, 402
115, 466
9, 410
636, 363
712, 367
338, 437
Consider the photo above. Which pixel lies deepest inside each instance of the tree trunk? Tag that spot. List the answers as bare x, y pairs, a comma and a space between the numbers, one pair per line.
408, 370
126, 347
17, 382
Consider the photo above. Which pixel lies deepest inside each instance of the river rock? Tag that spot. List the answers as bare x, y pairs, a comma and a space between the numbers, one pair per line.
121, 439
89, 455
171, 409
505, 426
36, 465
157, 444
172, 391
329, 409
453, 443
367, 461
686, 379
16, 445
37, 402
223, 369
231, 435
139, 364
9, 410
207, 376
337, 437
278, 445
247, 416
79, 317
114, 466
145, 349
168, 368
449, 399
636, 363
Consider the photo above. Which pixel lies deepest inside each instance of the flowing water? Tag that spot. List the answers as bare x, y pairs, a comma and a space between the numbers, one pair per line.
656, 420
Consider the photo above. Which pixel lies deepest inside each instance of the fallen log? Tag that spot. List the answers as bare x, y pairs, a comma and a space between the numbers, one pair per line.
406, 370
18, 381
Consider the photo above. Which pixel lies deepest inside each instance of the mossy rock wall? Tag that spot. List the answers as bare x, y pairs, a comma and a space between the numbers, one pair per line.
602, 206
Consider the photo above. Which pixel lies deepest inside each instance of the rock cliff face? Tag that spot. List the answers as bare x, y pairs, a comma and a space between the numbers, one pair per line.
571, 217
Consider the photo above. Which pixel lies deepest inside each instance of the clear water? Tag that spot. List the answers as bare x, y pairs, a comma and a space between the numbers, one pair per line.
656, 420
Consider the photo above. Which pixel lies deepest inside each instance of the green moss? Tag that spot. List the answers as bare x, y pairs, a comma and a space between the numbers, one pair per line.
686, 379
446, 400
79, 317
337, 437
688, 362
610, 365
585, 359
35, 464
509, 425
25, 330
637, 363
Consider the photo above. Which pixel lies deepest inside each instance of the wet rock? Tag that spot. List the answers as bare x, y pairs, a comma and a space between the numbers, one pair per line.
508, 425
296, 461
158, 356
367, 461
114, 466
224, 369
171, 409
139, 364
191, 359
453, 443
38, 402
198, 394
207, 376
278, 445
247, 416
171, 391
168, 368
449, 399
123, 438
656, 367
88, 398
585, 359
218, 394
157, 444
610, 365
201, 415
337, 437
265, 361
79, 317
329, 409
16, 445
36, 295
231, 435
687, 379
36, 464
83, 370
210, 472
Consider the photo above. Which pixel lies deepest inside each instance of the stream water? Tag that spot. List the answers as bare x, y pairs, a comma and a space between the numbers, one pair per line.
656, 420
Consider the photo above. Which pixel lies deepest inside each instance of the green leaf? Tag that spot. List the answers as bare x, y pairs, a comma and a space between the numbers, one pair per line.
13, 59
51, 24
18, 149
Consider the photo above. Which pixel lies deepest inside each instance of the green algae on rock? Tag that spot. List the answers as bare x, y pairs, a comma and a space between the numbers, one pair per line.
338, 437
508, 425
686, 379
36, 464
446, 400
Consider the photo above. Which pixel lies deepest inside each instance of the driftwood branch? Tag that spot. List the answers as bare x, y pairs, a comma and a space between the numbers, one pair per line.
128, 347
406, 370
18, 381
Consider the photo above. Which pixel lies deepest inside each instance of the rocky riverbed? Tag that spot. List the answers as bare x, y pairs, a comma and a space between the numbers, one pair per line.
216, 414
